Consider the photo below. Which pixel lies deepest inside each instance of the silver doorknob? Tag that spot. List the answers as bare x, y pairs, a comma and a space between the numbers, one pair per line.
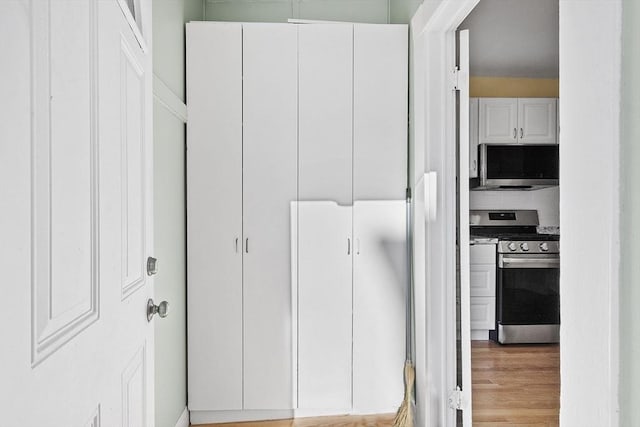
161, 309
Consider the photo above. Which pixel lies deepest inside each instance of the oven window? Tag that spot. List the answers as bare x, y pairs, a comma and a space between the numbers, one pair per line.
528, 296
522, 162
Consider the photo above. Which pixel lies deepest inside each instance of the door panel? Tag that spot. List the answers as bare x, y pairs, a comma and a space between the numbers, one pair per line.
537, 120
380, 285
214, 229
325, 112
72, 203
270, 153
324, 306
380, 111
498, 120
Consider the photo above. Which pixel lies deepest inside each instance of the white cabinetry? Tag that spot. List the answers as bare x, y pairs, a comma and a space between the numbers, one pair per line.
240, 183
296, 177
269, 183
214, 190
351, 231
518, 121
483, 289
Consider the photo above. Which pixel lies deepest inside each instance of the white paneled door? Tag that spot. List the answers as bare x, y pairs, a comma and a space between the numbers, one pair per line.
75, 167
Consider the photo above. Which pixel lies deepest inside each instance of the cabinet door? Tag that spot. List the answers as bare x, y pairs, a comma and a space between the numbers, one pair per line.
325, 112
270, 71
483, 313
380, 112
214, 225
324, 306
498, 120
483, 280
379, 291
537, 120
474, 107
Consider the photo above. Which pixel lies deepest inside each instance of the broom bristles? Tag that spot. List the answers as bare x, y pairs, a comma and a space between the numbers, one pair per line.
404, 416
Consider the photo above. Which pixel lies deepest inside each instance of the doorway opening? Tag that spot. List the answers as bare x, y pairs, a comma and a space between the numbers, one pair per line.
511, 266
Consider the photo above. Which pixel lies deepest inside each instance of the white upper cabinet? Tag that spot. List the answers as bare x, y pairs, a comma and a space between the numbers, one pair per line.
498, 119
518, 121
537, 120
325, 112
269, 181
379, 112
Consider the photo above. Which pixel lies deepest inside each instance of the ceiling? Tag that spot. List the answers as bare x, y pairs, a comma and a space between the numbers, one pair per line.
514, 38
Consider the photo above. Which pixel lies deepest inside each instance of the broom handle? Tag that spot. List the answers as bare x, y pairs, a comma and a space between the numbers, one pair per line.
409, 299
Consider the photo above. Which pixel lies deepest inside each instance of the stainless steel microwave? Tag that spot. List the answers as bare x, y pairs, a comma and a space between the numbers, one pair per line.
518, 166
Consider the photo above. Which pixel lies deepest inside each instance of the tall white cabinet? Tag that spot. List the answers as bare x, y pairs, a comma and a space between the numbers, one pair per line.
296, 178
242, 176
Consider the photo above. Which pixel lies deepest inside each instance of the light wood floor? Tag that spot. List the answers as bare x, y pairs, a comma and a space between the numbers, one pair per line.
344, 421
514, 385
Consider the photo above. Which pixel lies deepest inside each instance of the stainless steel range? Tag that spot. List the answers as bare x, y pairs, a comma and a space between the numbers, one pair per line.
527, 276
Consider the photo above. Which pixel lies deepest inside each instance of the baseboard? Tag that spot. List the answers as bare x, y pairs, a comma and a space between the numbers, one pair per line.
212, 417
183, 421
479, 335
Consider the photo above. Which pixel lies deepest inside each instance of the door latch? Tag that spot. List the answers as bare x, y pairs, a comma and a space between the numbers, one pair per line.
152, 266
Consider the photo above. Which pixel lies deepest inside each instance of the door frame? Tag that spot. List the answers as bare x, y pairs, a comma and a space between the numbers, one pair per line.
595, 401
434, 139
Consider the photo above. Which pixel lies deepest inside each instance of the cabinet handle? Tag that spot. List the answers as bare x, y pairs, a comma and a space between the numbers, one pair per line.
475, 165
246, 245
236, 245
348, 246
521, 133
357, 246
515, 133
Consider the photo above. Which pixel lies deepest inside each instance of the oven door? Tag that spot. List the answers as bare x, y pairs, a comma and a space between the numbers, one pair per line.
528, 298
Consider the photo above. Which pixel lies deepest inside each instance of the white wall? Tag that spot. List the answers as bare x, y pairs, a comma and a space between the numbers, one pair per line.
589, 211
546, 201
169, 114
369, 11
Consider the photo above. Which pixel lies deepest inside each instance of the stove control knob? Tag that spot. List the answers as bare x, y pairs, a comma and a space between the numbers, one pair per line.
512, 246
524, 246
544, 246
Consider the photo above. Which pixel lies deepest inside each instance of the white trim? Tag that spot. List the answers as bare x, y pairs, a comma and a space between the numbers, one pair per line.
435, 356
169, 99
183, 421
211, 417
133, 24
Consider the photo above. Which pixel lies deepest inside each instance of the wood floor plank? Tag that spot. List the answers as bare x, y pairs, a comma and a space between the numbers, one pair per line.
515, 385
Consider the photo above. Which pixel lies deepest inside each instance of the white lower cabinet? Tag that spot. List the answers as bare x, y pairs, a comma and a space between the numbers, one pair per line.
483, 289
349, 299
379, 292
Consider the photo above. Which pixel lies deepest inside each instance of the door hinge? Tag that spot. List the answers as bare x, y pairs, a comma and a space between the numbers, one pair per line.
455, 399
455, 76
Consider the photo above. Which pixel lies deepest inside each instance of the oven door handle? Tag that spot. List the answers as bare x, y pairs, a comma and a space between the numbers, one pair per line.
532, 262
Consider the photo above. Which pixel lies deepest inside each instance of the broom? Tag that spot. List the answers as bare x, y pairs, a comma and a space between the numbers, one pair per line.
404, 416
